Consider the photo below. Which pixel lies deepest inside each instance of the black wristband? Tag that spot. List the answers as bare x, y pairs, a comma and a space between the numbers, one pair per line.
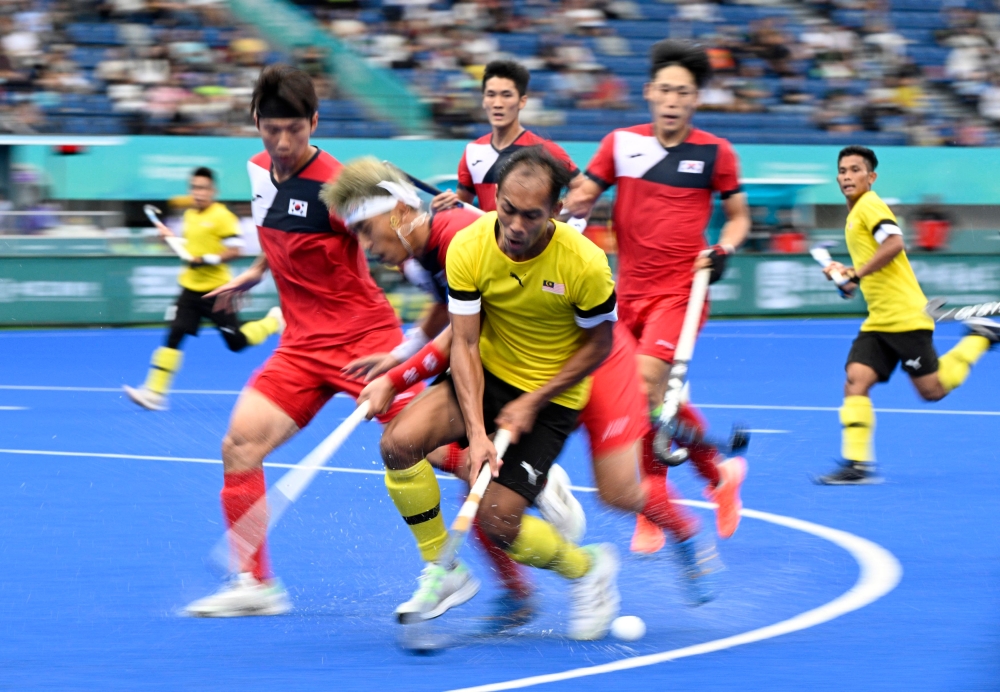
717, 256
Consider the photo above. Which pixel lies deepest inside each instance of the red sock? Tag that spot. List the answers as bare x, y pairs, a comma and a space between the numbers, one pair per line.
455, 459
240, 494
511, 574
674, 518
702, 455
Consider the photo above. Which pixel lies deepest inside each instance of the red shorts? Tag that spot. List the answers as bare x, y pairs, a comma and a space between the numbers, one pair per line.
617, 414
656, 323
301, 382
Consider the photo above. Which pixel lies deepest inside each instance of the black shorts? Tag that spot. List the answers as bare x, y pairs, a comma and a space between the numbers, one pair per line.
192, 307
526, 465
882, 351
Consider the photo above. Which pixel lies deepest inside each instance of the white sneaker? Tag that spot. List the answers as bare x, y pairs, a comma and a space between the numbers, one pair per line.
275, 312
244, 595
145, 398
594, 597
439, 590
558, 506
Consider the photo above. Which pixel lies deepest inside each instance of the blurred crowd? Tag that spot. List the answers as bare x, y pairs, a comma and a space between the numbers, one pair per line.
185, 67
163, 67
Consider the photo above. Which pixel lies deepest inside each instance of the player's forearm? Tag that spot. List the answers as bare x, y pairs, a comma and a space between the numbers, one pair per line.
737, 226
595, 348
885, 254
435, 321
465, 195
259, 265
229, 254
581, 197
467, 377
443, 342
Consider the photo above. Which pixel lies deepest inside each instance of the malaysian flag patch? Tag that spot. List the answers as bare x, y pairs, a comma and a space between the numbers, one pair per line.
552, 287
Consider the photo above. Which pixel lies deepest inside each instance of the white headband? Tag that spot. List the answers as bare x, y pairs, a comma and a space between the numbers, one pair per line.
371, 207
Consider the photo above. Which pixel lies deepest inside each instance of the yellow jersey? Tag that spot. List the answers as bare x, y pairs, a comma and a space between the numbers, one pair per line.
205, 232
895, 301
535, 311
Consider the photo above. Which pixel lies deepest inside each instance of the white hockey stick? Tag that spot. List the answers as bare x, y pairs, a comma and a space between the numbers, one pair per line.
177, 244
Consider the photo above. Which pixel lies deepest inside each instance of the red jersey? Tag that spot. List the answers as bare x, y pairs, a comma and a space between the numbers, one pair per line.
328, 296
477, 171
663, 205
427, 271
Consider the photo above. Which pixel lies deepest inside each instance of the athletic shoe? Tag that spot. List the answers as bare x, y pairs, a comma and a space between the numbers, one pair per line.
147, 399
242, 596
852, 473
648, 537
439, 589
727, 495
558, 506
984, 326
699, 563
594, 597
509, 611
275, 312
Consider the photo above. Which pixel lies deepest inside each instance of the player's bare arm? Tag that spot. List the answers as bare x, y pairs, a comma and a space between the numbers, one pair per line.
449, 199
467, 375
732, 235
376, 364
253, 275
583, 194
519, 415
381, 390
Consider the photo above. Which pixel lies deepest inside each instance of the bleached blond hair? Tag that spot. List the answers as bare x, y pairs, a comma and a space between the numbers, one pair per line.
359, 180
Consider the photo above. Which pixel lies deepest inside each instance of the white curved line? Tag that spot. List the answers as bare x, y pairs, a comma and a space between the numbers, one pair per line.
880, 572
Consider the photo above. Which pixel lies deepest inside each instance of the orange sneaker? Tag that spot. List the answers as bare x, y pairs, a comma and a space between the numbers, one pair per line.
648, 537
727, 495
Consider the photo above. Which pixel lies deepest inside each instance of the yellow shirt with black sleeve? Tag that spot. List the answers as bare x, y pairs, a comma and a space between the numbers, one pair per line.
535, 311
895, 301
206, 232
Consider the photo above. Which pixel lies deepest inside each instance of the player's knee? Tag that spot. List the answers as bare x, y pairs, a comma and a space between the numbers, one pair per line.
620, 495
397, 452
931, 391
239, 453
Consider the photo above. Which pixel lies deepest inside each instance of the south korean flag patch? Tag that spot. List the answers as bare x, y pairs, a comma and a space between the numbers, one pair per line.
691, 167
297, 207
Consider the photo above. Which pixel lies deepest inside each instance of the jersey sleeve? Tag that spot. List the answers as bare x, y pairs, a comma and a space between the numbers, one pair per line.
465, 175
726, 176
561, 154
878, 218
602, 167
593, 298
229, 225
464, 296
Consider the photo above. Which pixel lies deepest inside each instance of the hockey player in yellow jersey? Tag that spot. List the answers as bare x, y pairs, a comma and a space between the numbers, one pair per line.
213, 238
897, 330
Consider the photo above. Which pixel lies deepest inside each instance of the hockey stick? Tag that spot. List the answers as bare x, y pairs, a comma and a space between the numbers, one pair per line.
460, 526
678, 371
246, 535
821, 254
431, 190
935, 308
178, 245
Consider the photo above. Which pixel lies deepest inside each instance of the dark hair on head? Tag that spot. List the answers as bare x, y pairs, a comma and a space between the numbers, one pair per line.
203, 172
538, 158
508, 69
283, 91
857, 150
691, 56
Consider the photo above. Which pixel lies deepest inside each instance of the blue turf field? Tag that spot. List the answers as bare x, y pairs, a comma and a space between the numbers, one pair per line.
100, 551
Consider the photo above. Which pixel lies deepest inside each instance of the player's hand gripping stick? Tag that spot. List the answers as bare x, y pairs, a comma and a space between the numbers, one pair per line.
246, 536
678, 371
822, 256
178, 245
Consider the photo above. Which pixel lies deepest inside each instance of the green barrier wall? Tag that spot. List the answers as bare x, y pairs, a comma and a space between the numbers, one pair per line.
147, 168
129, 290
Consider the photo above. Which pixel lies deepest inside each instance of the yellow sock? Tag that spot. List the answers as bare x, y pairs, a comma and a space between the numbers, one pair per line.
540, 545
954, 366
857, 418
257, 331
416, 494
162, 368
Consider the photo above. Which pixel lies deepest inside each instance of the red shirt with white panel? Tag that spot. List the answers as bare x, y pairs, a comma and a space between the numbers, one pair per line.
481, 163
663, 204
